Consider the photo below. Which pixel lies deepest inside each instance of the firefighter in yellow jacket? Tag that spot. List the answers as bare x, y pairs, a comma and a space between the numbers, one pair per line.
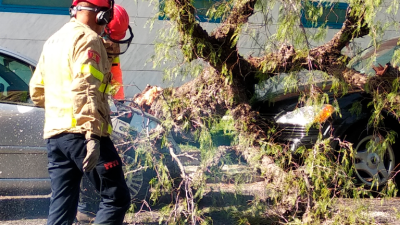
116, 44
72, 83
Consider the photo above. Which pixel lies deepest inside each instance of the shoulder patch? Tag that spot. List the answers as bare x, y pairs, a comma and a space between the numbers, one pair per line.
93, 55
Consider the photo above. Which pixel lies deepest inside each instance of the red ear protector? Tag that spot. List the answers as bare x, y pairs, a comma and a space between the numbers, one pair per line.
103, 17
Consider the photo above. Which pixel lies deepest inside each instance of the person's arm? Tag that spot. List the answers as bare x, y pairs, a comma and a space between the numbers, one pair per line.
113, 50
88, 66
117, 81
36, 85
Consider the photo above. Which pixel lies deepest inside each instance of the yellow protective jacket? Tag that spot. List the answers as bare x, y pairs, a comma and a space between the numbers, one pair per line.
71, 82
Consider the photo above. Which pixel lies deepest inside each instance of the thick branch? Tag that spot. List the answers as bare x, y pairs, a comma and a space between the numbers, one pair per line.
326, 58
239, 15
353, 27
219, 49
221, 39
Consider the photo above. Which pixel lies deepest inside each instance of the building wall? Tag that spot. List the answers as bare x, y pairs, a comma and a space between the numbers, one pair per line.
251, 45
27, 32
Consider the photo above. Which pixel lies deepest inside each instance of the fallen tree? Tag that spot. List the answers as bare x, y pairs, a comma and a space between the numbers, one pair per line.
226, 87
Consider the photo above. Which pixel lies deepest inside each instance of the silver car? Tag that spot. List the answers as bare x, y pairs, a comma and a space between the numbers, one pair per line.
23, 153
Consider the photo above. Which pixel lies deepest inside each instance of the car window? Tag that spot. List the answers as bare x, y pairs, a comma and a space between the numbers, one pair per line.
14, 79
376, 57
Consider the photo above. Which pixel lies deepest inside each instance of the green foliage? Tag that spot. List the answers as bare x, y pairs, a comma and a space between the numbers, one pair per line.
356, 108
317, 174
220, 9
396, 57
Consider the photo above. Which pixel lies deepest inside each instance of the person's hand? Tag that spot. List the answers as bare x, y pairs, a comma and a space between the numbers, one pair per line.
92, 155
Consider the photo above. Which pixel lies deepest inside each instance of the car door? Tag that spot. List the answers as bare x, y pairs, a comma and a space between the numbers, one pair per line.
23, 154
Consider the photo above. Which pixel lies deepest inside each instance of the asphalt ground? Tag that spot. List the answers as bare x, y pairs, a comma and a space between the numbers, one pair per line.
23, 207
32, 210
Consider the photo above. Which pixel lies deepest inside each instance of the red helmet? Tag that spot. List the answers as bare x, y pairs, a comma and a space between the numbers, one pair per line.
119, 24
99, 3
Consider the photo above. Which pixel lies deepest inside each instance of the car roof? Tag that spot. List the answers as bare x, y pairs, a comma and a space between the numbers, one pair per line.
383, 46
19, 56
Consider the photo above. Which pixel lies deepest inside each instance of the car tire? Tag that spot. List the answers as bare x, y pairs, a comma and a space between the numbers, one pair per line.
135, 178
373, 169
138, 178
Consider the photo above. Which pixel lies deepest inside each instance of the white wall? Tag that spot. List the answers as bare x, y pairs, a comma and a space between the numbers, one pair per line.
26, 33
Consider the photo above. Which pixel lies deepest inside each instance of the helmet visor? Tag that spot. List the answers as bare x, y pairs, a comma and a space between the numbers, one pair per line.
123, 44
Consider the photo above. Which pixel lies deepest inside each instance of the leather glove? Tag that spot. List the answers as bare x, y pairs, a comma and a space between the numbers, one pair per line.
92, 155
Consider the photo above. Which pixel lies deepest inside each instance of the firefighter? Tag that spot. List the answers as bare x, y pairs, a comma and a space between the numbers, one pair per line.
113, 37
115, 32
71, 82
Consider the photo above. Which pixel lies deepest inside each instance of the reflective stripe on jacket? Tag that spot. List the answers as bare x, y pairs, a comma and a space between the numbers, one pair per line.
71, 82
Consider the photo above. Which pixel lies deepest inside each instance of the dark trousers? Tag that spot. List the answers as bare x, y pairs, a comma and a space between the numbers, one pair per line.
89, 198
65, 154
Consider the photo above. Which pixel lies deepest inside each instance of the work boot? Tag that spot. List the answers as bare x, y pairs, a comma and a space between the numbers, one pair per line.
84, 218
